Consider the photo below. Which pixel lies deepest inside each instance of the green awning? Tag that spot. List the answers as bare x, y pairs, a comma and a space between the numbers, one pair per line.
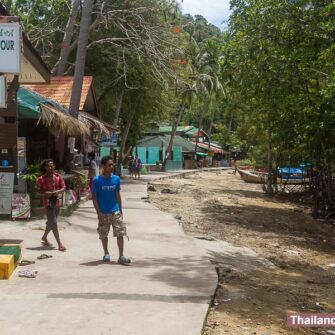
202, 153
29, 104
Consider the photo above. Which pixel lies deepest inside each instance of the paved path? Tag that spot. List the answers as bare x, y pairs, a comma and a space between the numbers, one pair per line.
165, 291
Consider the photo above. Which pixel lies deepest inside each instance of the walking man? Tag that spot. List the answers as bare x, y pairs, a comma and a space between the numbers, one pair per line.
51, 185
137, 167
108, 205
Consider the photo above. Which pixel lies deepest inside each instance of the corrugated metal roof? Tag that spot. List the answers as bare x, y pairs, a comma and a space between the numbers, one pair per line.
168, 129
160, 140
60, 88
212, 148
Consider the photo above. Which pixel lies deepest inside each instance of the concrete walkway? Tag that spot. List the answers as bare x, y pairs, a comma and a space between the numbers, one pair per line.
166, 289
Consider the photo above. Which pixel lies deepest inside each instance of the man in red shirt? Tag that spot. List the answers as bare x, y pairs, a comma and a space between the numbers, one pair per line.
51, 185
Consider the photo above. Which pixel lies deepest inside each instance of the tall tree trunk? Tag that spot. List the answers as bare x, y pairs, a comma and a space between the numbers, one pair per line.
197, 137
118, 109
125, 135
59, 67
81, 57
270, 174
210, 128
200, 127
173, 133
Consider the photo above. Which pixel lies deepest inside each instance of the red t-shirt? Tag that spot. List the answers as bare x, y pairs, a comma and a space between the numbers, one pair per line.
47, 184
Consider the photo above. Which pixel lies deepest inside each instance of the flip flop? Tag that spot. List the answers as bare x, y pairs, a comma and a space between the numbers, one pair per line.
46, 243
25, 262
62, 248
44, 256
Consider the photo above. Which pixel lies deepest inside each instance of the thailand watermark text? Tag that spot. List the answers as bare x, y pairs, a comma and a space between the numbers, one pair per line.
295, 320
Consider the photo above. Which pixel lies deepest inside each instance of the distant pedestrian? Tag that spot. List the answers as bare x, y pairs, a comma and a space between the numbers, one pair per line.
93, 169
234, 162
52, 186
131, 166
137, 167
108, 205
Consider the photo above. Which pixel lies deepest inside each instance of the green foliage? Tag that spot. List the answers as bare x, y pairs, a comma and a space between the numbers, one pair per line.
31, 173
70, 209
78, 183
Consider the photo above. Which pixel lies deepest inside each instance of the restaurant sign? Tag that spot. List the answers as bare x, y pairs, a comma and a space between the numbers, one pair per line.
10, 48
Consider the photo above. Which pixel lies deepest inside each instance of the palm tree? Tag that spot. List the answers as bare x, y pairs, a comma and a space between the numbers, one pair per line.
81, 57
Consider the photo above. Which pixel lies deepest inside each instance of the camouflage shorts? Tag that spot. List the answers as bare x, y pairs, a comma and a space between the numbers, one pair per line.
114, 220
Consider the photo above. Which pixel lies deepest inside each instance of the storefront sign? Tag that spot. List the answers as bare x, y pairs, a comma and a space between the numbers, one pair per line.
112, 141
10, 47
6, 192
6, 157
3, 92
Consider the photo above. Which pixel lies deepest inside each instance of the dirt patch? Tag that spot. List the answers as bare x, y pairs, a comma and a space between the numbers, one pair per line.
219, 205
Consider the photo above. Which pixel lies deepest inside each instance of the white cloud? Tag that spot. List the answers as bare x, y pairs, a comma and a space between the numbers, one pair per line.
215, 11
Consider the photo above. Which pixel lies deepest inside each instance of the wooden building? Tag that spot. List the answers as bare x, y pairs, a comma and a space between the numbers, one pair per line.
33, 70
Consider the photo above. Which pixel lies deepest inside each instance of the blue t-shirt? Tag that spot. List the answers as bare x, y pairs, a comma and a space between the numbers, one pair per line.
105, 190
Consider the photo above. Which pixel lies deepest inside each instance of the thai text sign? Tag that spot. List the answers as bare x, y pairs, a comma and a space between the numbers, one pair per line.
10, 48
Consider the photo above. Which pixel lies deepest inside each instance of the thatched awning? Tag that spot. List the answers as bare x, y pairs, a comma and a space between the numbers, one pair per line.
70, 126
92, 122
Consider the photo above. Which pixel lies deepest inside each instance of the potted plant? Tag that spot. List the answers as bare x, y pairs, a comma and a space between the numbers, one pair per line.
29, 175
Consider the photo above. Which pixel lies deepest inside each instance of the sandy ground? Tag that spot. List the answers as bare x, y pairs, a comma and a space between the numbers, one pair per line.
220, 205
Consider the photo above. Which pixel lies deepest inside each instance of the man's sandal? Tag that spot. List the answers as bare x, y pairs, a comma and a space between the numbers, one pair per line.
123, 260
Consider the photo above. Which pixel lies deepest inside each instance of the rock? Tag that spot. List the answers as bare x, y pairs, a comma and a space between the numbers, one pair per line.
178, 217
244, 328
151, 188
207, 238
292, 252
168, 191
330, 332
331, 265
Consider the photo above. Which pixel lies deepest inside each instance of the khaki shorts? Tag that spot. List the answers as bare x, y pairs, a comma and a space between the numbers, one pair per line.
114, 220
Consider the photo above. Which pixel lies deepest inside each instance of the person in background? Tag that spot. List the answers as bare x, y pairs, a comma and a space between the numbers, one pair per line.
137, 167
51, 185
93, 169
108, 205
131, 166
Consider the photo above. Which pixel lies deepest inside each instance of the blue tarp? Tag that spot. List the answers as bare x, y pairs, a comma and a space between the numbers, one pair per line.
290, 173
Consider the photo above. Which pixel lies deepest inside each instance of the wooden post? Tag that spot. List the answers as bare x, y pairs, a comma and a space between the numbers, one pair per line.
9, 19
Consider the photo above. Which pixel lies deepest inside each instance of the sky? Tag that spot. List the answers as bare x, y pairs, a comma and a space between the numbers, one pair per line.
215, 11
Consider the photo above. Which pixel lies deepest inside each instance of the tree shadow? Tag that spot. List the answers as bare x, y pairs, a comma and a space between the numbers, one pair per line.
100, 262
42, 248
267, 294
10, 241
289, 226
187, 273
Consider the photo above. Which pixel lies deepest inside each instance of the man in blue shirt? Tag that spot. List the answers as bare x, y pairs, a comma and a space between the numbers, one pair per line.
107, 202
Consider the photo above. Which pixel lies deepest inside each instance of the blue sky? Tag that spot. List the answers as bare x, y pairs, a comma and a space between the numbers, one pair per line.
215, 11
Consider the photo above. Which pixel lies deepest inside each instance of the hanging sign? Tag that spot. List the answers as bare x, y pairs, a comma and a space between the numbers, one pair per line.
112, 141
10, 48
